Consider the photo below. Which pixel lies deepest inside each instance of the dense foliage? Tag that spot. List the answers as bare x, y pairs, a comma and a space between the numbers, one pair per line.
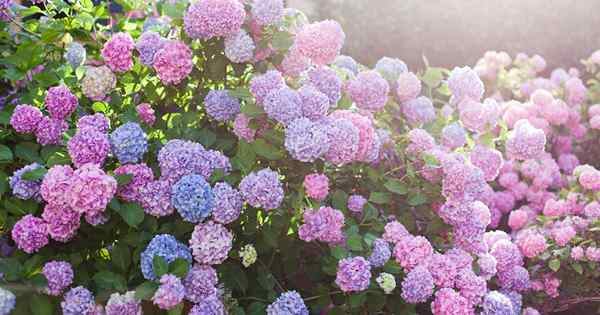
222, 157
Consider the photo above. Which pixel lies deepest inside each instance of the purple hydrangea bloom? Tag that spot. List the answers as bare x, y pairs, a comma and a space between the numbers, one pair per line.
267, 12
515, 298
123, 304
25, 118
516, 278
239, 47
347, 63
7, 299
262, 85
306, 140
417, 286
50, 131
60, 102
59, 275
419, 110
228, 203
496, 303
77, 301
343, 140
327, 82
180, 157
454, 136
129, 143
97, 121
155, 198
220, 106
170, 292
192, 196
464, 83
314, 103
288, 303
356, 203
354, 274
262, 189
140, 174
167, 247
211, 305
369, 90
200, 283
88, 146
213, 18
210, 243
283, 105
148, 45
24, 188
173, 62
381, 253
117, 52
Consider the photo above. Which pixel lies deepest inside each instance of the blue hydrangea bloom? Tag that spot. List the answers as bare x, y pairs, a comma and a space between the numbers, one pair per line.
193, 198
381, 253
515, 298
77, 301
346, 62
496, 303
288, 303
22, 188
390, 68
220, 106
129, 143
75, 54
7, 301
166, 246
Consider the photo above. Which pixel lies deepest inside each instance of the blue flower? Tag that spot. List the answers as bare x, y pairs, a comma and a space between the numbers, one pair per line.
129, 143
193, 198
167, 247
289, 303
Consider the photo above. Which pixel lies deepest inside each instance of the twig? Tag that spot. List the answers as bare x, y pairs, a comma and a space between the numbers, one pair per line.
322, 295
20, 25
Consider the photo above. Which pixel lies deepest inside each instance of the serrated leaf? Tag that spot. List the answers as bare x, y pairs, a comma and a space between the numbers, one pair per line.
41, 305
358, 300
159, 265
339, 199
121, 256
123, 179
354, 242
35, 174
396, 186
6, 154
554, 264
417, 199
339, 252
110, 280
252, 110
132, 213
179, 267
146, 290
266, 150
577, 267
177, 310
380, 197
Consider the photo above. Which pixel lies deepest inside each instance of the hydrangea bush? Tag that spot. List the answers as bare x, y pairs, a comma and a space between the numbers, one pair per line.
223, 157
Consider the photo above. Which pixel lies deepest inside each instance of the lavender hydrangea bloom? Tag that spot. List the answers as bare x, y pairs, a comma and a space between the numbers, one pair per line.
353, 274
227, 203
148, 45
200, 283
170, 292
123, 304
288, 303
283, 105
343, 139
314, 103
7, 301
417, 286
454, 135
59, 275
88, 146
75, 54
419, 110
220, 106
262, 189
180, 157
327, 82
211, 305
239, 47
496, 303
77, 301
23, 188
97, 121
381, 253
129, 143
306, 140
267, 12
166, 246
515, 298
390, 68
213, 18
210, 243
356, 203
369, 90
193, 198
347, 63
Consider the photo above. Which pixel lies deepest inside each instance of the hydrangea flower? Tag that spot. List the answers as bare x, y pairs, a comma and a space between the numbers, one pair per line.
419, 110
90, 189
470, 286
367, 150
155, 198
464, 83
507, 255
62, 222
386, 282
88, 146
209, 306
448, 301
220, 106
531, 243
306, 140
320, 41
7, 301
59, 275
324, 224
326, 81
267, 12
488, 160
368, 90
210, 243
283, 105
173, 63
408, 86
123, 304
148, 44
213, 18
239, 47
443, 269
525, 141
294, 63
146, 113
381, 253
170, 292
394, 232
98, 82
129, 143
314, 103
288, 303
496, 303
316, 186
346, 63
140, 174
412, 251
75, 54
50, 131
262, 85
516, 278
60, 102
344, 139
454, 135
417, 286
356, 203
227, 203
248, 255
178, 158
200, 283
25, 118
117, 52
77, 301
242, 129
167, 247
193, 198
262, 189
353, 275
97, 121
24, 188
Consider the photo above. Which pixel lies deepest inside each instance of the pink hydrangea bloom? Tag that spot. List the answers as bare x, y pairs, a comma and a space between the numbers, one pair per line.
525, 141
353, 275
214, 18
60, 102
412, 251
316, 186
30, 234
488, 160
320, 41
88, 146
590, 179
593, 254
369, 90
62, 221
146, 113
25, 118
464, 83
394, 232
443, 269
155, 198
294, 63
479, 117
531, 243
366, 133
575, 91
577, 253
408, 86
55, 185
210, 243
140, 174
50, 131
324, 224
517, 219
117, 52
90, 189
173, 62
170, 292
563, 233
447, 301
241, 128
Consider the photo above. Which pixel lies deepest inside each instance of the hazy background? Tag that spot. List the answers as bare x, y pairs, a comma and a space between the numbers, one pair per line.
458, 32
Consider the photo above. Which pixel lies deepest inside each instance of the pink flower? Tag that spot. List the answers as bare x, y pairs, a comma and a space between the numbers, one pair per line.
412, 251
173, 62
447, 301
531, 243
409, 86
117, 52
394, 232
55, 185
146, 113
517, 219
324, 224
320, 41
577, 253
525, 141
316, 186
90, 189
30, 234
25, 118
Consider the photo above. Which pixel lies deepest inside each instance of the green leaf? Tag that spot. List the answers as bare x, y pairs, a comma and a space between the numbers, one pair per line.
6, 154
396, 186
339, 199
242, 93
132, 213
35, 174
339, 252
41, 305
282, 41
234, 277
370, 212
433, 76
257, 308
252, 110
577, 267
380, 197
177, 310
179, 267
554, 264
3, 183
266, 150
123, 179
430, 160
392, 267
417, 199
358, 300
266, 279
121, 256
159, 265
28, 151
146, 290
354, 242
109, 280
